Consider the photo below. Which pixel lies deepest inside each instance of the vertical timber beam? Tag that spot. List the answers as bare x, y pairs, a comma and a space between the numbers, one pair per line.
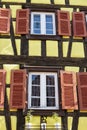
24, 45
43, 48
12, 35
75, 121
64, 121
20, 120
7, 113
67, 2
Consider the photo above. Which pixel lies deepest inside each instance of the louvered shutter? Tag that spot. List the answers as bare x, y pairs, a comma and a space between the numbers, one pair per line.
82, 89
22, 21
68, 90
64, 27
18, 89
2, 87
5, 15
79, 24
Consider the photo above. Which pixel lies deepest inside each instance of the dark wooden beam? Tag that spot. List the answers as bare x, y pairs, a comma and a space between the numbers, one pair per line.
20, 120
64, 122
60, 49
43, 48
28, 1
55, 6
7, 113
67, 2
40, 61
24, 45
75, 121
52, 1
12, 35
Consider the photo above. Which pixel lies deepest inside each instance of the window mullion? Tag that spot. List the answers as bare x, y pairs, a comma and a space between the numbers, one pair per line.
43, 91
43, 23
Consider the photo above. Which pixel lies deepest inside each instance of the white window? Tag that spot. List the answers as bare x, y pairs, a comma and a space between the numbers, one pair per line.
42, 23
43, 90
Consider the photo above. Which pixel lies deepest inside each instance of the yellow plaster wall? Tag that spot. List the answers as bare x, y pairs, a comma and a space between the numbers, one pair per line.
80, 2
34, 48
6, 47
77, 50
65, 48
52, 48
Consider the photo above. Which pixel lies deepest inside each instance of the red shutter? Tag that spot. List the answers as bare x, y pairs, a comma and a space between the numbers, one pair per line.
18, 89
64, 27
79, 24
2, 87
68, 89
5, 15
22, 21
82, 90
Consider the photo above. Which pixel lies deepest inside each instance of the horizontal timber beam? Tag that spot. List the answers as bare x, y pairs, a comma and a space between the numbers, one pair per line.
43, 61
32, 5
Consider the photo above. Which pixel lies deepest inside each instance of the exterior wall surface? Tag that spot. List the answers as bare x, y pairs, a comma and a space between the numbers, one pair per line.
77, 50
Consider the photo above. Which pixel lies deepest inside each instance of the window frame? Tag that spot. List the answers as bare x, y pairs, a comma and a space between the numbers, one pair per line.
56, 91
43, 18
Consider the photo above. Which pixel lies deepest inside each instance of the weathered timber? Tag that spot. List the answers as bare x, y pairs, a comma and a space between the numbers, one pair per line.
7, 113
40, 61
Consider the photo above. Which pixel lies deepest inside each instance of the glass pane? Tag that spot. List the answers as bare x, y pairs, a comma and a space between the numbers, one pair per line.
49, 32
36, 79
49, 24
37, 31
49, 18
51, 91
50, 80
50, 101
35, 102
37, 24
36, 17
35, 90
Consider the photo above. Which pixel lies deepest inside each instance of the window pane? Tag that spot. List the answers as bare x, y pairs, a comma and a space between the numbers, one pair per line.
50, 101
35, 90
36, 79
51, 91
50, 80
49, 18
37, 24
35, 102
49, 24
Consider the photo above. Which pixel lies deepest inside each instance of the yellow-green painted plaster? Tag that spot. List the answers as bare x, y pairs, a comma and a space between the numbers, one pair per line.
6, 47
59, 1
2, 123
82, 123
80, 2
65, 48
52, 48
18, 46
14, 1
34, 48
77, 50
13, 122
41, 1
72, 68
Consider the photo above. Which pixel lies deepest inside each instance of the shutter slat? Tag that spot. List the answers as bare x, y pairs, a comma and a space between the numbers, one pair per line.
68, 89
79, 24
5, 15
82, 89
2, 87
22, 21
18, 89
64, 27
